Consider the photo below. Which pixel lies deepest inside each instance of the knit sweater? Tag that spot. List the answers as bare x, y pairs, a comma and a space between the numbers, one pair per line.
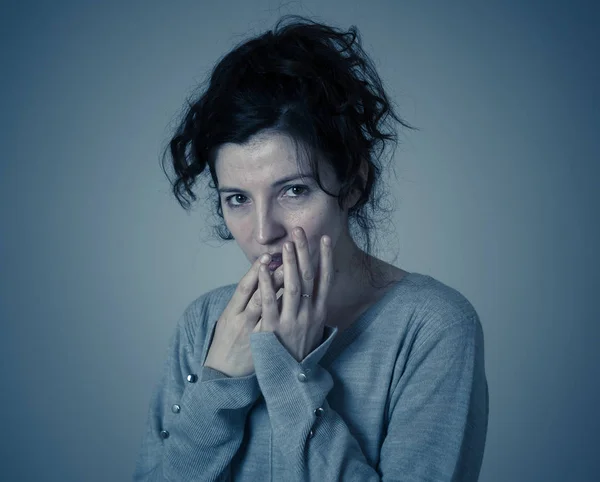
399, 395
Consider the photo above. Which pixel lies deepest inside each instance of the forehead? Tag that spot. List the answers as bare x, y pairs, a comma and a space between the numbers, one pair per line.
263, 157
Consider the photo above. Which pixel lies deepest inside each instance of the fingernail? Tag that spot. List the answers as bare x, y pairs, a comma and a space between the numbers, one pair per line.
265, 258
288, 246
326, 240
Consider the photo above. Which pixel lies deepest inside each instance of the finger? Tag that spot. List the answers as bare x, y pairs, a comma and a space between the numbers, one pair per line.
304, 264
325, 274
291, 283
270, 314
247, 285
258, 324
254, 307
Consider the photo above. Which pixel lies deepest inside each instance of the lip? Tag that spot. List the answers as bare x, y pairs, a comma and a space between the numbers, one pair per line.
274, 265
276, 261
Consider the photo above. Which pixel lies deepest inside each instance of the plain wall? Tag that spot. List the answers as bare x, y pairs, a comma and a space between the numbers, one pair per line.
497, 196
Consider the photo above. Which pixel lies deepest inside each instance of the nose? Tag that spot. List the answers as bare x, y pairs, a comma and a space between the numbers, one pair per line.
268, 228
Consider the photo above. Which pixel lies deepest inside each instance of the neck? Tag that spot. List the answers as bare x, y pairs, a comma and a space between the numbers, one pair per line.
350, 274
358, 276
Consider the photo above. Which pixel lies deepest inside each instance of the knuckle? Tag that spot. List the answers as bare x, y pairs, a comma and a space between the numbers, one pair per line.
307, 274
328, 276
269, 299
245, 289
293, 289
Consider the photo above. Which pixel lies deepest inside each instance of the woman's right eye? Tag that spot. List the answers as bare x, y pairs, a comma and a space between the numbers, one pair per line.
235, 200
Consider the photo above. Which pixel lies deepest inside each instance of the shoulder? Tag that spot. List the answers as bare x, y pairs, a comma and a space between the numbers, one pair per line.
424, 306
427, 294
199, 315
433, 329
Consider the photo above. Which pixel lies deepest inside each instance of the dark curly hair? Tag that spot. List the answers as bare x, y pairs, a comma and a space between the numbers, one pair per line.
305, 79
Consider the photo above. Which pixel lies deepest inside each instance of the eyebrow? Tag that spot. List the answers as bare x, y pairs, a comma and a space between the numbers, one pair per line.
275, 184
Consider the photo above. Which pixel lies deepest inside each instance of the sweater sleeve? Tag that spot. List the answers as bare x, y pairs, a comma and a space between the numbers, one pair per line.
437, 423
196, 417
438, 412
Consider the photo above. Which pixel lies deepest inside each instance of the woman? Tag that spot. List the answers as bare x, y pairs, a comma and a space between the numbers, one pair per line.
323, 362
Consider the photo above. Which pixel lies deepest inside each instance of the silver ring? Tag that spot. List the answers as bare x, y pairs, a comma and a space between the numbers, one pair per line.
305, 295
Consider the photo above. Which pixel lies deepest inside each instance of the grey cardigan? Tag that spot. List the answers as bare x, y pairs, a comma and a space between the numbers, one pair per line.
400, 395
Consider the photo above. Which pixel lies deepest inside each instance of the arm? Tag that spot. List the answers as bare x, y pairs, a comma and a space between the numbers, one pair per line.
437, 413
205, 429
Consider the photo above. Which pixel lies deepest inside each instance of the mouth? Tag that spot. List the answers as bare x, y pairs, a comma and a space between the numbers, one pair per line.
276, 262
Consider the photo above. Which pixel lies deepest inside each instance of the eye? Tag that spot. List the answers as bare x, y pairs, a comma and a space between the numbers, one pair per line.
296, 190
235, 200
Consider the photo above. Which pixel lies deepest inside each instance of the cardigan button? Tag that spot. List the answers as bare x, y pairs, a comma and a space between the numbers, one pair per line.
164, 434
318, 412
192, 378
302, 377
176, 408
311, 433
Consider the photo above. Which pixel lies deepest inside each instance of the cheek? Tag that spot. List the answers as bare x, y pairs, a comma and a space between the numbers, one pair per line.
326, 222
234, 222
314, 242
239, 229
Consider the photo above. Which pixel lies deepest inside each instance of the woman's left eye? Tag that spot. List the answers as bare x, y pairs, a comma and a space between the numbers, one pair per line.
296, 190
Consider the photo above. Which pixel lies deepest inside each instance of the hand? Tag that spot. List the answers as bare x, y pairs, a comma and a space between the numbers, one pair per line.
301, 323
229, 351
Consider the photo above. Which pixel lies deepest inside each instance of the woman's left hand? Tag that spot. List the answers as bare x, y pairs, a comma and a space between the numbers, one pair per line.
301, 323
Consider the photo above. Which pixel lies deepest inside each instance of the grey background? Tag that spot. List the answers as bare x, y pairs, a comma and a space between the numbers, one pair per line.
497, 197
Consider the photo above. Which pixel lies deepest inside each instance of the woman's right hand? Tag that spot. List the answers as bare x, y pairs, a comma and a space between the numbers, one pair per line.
229, 351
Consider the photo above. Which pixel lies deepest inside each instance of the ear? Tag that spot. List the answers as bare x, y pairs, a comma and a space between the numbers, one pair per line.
363, 174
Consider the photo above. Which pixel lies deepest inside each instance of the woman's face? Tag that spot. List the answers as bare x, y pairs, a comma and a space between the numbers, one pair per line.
264, 196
